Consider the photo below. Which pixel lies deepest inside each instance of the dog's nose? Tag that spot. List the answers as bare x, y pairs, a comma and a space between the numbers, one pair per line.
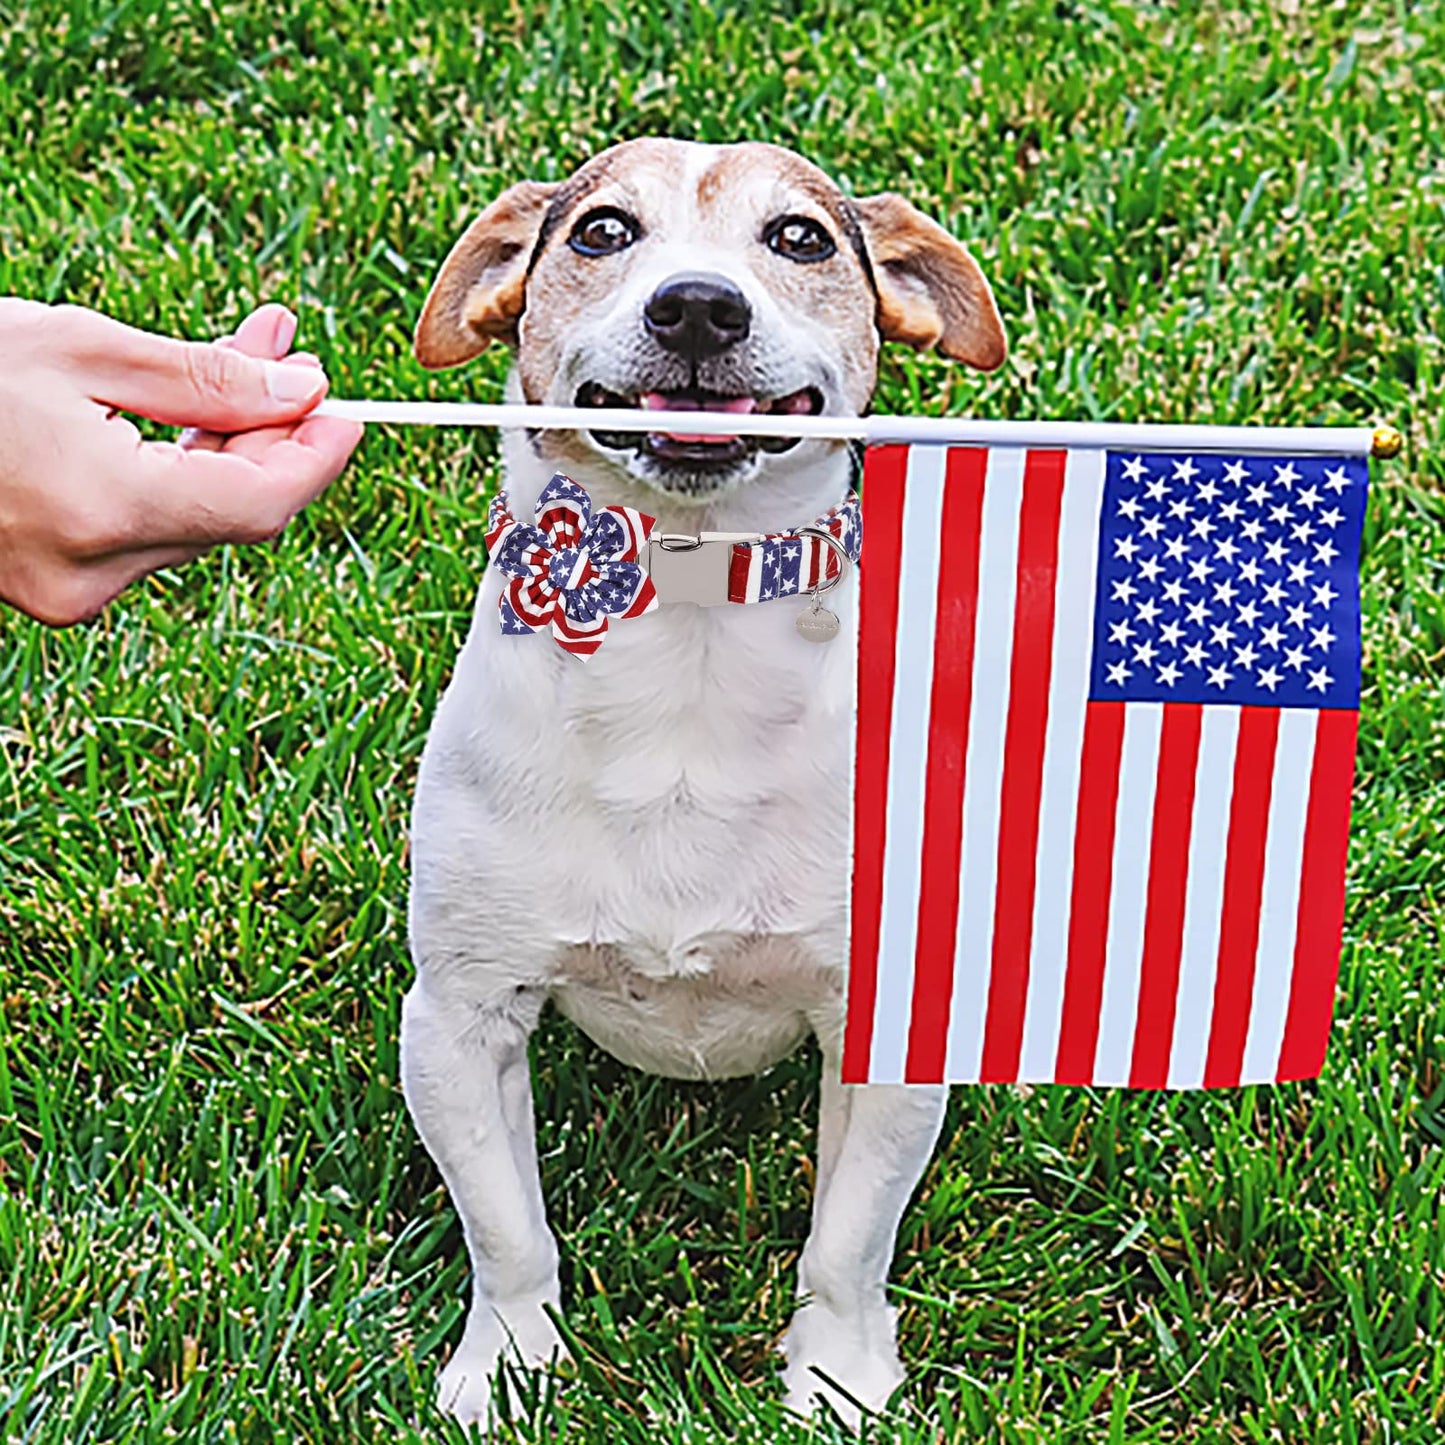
698, 314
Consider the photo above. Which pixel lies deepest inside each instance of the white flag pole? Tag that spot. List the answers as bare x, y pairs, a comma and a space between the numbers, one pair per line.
960, 431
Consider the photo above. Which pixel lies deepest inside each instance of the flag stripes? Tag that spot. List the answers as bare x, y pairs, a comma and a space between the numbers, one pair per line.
1050, 886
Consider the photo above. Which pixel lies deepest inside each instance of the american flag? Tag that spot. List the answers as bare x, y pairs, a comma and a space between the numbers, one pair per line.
1106, 728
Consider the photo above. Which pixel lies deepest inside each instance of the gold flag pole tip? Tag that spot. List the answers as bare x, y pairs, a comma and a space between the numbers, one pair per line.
1387, 443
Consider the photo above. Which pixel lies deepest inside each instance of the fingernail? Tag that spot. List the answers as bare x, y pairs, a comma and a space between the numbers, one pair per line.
290, 384
285, 331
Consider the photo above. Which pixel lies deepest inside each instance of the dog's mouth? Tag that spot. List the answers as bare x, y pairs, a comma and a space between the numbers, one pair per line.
695, 448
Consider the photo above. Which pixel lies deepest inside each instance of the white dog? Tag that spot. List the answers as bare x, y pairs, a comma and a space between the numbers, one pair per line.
656, 838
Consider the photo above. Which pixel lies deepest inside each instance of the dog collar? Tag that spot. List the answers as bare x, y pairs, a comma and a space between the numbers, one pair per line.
580, 566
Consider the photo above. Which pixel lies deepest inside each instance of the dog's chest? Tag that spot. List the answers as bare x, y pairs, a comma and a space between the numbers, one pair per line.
689, 782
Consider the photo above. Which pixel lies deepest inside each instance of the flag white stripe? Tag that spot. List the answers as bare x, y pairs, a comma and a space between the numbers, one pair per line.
1129, 891
918, 568
1279, 900
1063, 748
1204, 896
993, 657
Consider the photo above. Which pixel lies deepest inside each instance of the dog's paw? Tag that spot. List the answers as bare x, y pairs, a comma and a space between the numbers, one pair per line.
851, 1365
520, 1332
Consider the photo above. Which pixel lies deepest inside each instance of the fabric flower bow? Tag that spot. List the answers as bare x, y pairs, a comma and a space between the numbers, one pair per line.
575, 570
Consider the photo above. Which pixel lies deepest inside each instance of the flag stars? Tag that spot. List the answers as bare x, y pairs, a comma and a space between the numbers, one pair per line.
1222, 583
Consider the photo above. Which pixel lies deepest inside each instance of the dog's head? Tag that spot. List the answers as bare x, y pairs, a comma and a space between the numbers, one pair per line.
670, 276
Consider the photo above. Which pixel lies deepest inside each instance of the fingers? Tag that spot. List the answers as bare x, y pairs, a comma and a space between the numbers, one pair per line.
183, 383
200, 498
266, 333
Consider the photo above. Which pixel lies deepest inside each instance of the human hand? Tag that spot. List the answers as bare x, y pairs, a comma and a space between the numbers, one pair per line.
86, 506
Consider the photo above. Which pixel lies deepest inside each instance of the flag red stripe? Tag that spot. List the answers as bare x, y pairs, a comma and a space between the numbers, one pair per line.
1093, 876
886, 469
1243, 890
948, 719
1168, 881
1030, 666
1321, 918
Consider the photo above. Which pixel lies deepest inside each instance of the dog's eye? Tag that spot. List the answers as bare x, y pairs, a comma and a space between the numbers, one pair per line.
602, 232
799, 239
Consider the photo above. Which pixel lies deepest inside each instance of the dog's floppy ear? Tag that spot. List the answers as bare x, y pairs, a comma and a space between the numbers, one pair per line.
478, 295
930, 290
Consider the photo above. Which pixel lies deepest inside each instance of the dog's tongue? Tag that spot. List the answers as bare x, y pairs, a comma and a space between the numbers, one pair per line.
681, 401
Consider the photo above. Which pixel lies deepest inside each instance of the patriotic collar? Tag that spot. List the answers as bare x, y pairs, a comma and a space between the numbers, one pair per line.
580, 566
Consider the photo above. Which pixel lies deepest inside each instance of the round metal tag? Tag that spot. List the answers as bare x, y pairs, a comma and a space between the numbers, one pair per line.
817, 624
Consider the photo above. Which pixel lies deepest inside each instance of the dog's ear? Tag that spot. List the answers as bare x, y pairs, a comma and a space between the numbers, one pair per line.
478, 295
930, 290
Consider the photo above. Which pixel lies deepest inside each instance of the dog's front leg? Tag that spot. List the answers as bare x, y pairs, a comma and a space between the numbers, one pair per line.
465, 1074
874, 1142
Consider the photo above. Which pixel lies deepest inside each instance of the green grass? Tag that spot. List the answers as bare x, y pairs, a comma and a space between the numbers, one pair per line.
216, 1223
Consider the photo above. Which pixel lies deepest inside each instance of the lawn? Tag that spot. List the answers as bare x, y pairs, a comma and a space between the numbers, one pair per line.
216, 1223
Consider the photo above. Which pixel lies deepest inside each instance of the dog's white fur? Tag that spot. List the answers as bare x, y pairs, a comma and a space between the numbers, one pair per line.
655, 839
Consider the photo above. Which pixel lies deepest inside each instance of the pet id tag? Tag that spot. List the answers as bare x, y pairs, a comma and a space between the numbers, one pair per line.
816, 623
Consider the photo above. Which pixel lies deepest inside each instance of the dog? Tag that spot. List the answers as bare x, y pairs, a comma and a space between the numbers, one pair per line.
655, 837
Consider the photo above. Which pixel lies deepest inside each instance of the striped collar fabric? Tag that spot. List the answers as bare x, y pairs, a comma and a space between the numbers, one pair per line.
788, 564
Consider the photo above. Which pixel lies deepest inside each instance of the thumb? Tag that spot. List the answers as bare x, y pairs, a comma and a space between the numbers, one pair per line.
184, 383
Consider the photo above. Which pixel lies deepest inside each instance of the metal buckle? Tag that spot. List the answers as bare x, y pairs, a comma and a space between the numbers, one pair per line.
687, 567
